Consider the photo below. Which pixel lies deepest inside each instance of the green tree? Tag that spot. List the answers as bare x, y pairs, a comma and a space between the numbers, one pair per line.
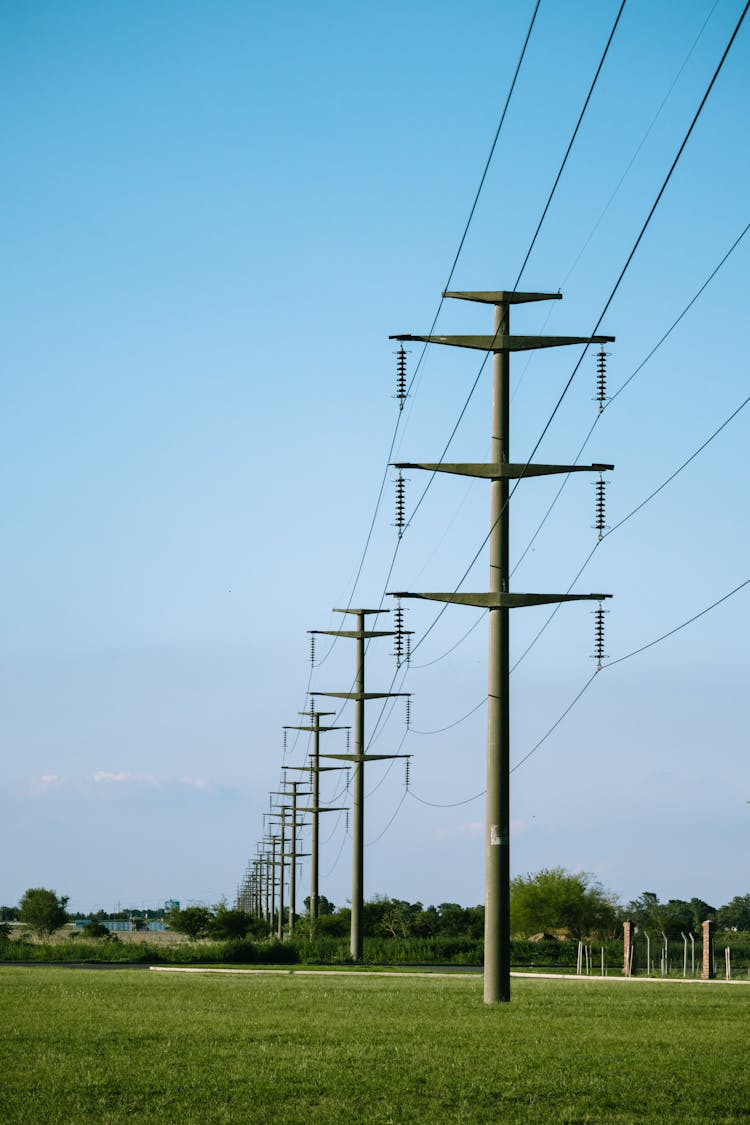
735, 915
555, 899
671, 918
195, 921
461, 921
42, 911
701, 912
230, 923
325, 906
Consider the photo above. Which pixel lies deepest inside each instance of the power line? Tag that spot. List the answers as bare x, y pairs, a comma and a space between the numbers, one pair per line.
628, 656
440, 303
474, 385
603, 313
571, 142
390, 822
586, 686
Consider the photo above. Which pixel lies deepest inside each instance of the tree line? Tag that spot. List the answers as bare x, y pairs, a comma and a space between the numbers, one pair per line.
551, 902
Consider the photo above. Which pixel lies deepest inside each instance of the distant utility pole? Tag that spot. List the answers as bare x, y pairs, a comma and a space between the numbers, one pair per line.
293, 853
280, 814
359, 695
498, 601
273, 840
315, 770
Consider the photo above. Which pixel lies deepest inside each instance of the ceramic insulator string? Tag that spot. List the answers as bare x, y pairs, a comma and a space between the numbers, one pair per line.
401, 393
601, 378
600, 525
400, 521
407, 770
398, 635
599, 654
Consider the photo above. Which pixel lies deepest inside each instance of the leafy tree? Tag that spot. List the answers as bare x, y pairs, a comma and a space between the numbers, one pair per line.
42, 911
4, 931
735, 915
461, 921
555, 899
195, 921
230, 923
325, 906
669, 918
702, 912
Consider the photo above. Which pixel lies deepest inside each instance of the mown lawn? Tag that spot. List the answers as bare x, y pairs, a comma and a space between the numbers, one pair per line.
94, 1045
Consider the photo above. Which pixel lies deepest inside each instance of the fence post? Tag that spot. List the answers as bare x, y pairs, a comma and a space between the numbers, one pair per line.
707, 971
628, 948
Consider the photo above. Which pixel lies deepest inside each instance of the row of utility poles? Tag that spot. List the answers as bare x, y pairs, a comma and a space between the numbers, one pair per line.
267, 872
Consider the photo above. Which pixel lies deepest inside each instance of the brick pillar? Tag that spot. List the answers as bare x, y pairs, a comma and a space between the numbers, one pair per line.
629, 943
707, 971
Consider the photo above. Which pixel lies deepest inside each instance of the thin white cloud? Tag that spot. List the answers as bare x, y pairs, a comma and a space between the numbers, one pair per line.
103, 781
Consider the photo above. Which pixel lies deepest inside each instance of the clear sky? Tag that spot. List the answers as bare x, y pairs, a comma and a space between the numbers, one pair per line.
214, 215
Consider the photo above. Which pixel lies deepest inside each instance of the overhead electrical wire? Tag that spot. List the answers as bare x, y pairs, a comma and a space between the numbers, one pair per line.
604, 310
483, 364
554, 412
593, 426
629, 656
655, 492
462, 240
587, 684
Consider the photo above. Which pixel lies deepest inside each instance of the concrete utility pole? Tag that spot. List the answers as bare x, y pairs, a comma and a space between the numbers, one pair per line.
498, 601
315, 770
359, 695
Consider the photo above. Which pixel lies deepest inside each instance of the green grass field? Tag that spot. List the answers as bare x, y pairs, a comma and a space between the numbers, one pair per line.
99, 1045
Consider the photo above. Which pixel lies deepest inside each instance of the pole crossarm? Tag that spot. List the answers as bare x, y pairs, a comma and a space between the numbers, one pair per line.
500, 600
356, 634
504, 343
364, 757
325, 808
499, 472
362, 695
503, 297
313, 729
313, 769
356, 612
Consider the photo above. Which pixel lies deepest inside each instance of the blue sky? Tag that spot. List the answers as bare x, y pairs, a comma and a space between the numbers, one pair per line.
214, 217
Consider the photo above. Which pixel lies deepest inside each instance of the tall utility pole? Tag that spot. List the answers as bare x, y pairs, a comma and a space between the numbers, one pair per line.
359, 695
498, 601
315, 770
